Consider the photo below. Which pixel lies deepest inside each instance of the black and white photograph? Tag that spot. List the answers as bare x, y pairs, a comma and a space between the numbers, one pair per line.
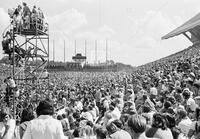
100, 69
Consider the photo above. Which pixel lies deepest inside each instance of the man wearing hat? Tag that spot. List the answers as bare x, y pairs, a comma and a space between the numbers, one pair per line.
44, 127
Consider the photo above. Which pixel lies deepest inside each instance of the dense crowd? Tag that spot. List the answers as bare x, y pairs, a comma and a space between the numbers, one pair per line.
158, 100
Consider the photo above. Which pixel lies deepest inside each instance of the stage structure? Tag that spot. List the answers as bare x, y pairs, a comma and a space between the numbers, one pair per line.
27, 45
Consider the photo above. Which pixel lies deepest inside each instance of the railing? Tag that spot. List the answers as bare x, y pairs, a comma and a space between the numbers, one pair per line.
35, 23
38, 23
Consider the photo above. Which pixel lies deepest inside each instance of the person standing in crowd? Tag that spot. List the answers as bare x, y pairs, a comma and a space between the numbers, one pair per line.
171, 124
153, 91
27, 115
190, 102
44, 127
147, 102
185, 122
194, 130
7, 125
98, 96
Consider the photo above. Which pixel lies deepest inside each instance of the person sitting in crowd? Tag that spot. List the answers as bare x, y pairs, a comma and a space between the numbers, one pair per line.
159, 128
115, 133
101, 133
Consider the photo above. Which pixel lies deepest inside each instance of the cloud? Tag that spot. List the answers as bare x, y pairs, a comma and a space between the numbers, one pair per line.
189, 1
87, 1
68, 21
151, 27
146, 44
148, 30
104, 32
152, 24
4, 20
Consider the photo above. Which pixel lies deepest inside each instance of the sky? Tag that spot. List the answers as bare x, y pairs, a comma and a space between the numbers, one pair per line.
132, 28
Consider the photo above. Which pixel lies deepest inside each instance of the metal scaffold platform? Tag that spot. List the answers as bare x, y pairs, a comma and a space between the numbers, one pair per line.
28, 52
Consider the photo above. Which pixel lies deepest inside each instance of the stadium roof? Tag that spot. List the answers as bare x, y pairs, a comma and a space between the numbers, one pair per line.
188, 26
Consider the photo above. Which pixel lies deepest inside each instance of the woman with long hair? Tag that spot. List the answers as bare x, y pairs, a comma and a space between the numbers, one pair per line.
7, 124
159, 128
26, 116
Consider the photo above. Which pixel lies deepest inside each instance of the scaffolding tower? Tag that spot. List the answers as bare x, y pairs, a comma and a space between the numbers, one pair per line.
29, 54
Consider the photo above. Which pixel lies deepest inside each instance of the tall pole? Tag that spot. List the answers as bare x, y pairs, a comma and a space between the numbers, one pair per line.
48, 60
106, 51
64, 51
100, 12
53, 50
96, 51
13, 73
75, 48
85, 51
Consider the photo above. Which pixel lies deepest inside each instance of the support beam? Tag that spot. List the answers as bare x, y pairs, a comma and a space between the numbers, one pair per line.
96, 52
64, 51
53, 50
86, 51
187, 36
106, 51
75, 48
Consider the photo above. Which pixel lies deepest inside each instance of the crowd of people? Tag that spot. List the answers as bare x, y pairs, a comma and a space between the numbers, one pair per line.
24, 18
157, 100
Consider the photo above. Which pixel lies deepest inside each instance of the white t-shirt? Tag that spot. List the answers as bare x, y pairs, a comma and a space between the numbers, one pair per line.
79, 106
11, 130
191, 103
44, 127
121, 134
153, 91
116, 113
185, 125
87, 115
